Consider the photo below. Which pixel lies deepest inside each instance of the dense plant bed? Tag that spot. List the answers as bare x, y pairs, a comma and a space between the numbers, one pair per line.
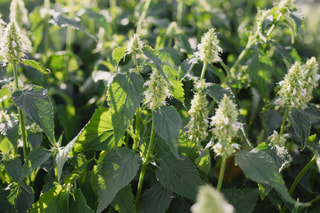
159, 106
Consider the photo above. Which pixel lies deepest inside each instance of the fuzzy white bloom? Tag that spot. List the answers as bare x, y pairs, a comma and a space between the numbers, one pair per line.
18, 12
296, 88
276, 140
198, 123
209, 49
172, 30
226, 126
12, 45
157, 90
210, 200
134, 45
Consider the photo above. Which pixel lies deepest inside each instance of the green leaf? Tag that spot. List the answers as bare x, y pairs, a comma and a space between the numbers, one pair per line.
301, 122
155, 199
34, 101
186, 67
243, 199
118, 168
150, 53
14, 168
297, 17
217, 92
179, 175
5, 205
10, 128
260, 67
125, 96
50, 201
261, 168
203, 162
36, 65
97, 134
35, 159
62, 157
78, 203
167, 124
24, 199
272, 120
124, 200
63, 21
118, 54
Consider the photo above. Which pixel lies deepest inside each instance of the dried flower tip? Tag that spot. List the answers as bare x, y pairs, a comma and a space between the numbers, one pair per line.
18, 12
209, 49
157, 90
12, 45
172, 30
209, 200
134, 45
198, 124
225, 119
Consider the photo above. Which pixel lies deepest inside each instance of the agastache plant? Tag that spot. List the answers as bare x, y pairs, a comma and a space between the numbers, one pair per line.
226, 127
157, 90
198, 112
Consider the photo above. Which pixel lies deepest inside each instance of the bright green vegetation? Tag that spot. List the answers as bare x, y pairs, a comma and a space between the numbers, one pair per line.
133, 106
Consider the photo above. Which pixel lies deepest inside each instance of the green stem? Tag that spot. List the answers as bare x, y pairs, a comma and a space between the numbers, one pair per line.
221, 174
298, 178
204, 67
70, 31
21, 118
143, 15
135, 62
284, 122
241, 56
137, 133
144, 167
46, 30
179, 12
273, 25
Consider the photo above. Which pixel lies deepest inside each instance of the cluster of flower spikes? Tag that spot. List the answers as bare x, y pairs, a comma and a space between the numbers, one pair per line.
157, 90
12, 45
198, 124
134, 45
296, 88
226, 127
209, 49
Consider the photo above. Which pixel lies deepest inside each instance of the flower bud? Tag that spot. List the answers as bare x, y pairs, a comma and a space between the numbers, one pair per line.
210, 200
172, 30
134, 45
209, 49
157, 90
198, 124
12, 45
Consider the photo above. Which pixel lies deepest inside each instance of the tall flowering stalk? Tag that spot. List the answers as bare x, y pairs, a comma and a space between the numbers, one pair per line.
208, 52
198, 124
226, 126
296, 88
13, 49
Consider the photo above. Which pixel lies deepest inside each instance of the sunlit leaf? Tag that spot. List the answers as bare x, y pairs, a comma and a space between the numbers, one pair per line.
34, 101
125, 96
118, 54
36, 65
